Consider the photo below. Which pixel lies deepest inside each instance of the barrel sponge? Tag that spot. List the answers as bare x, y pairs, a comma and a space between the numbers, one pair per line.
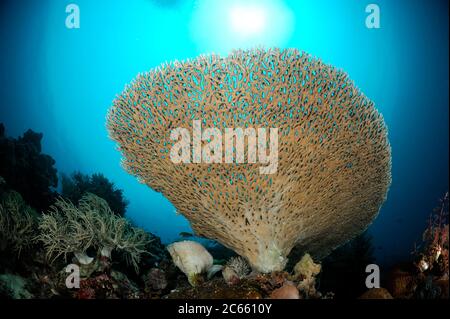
334, 167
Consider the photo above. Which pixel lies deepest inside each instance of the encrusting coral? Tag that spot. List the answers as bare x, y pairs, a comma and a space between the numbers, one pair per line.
334, 157
68, 229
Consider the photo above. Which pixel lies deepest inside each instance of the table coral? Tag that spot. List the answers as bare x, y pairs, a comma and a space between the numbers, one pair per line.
334, 157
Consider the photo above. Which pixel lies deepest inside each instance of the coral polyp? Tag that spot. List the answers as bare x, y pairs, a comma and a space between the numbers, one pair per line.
334, 158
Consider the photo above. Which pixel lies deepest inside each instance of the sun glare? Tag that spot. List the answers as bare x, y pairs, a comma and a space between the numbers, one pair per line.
223, 25
247, 20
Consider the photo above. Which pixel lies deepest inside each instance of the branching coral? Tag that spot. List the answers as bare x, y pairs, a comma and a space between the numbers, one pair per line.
334, 159
18, 223
67, 229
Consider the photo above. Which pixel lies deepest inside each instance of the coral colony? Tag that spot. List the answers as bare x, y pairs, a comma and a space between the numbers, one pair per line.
329, 158
269, 152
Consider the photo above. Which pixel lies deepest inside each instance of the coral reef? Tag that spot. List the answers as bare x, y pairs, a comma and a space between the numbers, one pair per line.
334, 159
276, 285
28, 241
26, 170
68, 229
118, 260
18, 223
427, 277
77, 184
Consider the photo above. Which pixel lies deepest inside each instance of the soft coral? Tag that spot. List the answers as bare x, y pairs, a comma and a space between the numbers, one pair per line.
434, 255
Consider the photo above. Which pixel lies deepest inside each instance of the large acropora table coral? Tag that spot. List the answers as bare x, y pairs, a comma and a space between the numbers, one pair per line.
334, 167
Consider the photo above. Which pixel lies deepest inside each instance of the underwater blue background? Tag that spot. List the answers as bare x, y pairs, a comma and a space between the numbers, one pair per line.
62, 81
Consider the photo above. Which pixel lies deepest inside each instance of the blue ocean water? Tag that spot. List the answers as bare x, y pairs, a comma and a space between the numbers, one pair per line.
62, 81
